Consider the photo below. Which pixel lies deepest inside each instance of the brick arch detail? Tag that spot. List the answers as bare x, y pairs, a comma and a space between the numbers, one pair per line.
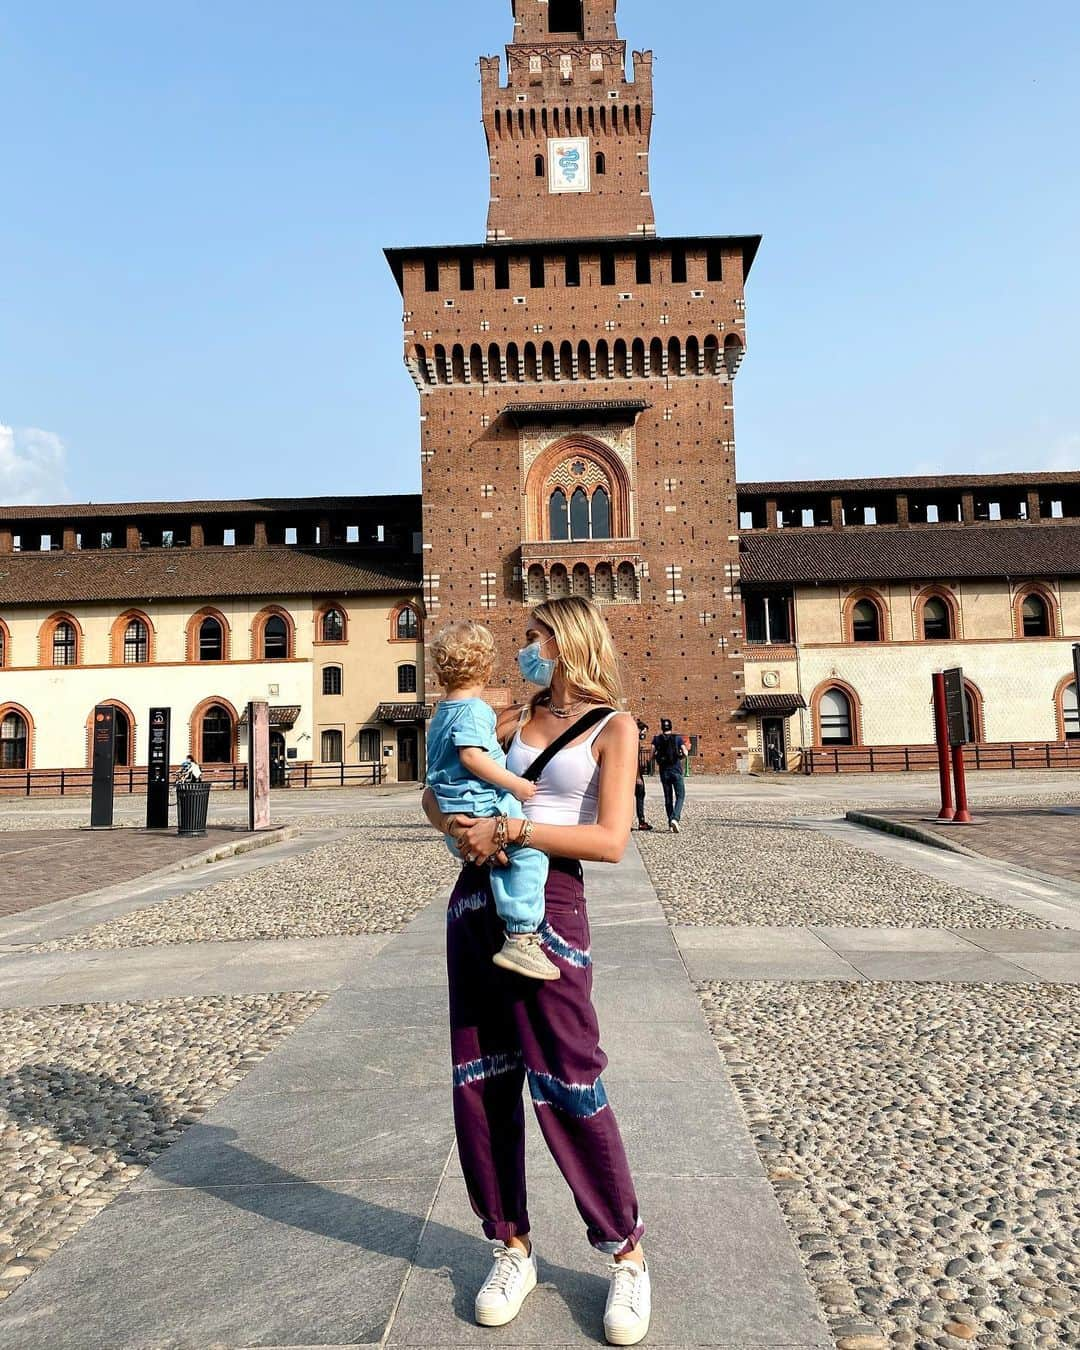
978, 709
193, 626
878, 601
951, 602
1048, 598
545, 465
45, 637
195, 726
1059, 702
119, 628
399, 609
132, 746
31, 730
321, 612
854, 702
258, 624
5, 645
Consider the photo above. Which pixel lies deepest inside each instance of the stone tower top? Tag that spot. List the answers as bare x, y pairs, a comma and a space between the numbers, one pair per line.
568, 134
557, 20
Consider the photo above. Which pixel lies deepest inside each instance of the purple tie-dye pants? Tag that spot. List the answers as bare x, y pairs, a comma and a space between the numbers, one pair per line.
506, 1028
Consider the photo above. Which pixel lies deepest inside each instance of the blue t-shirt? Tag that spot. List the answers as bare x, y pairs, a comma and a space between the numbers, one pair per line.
459, 722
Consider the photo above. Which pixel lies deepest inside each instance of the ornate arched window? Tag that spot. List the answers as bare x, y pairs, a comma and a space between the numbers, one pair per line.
332, 625
1036, 616
579, 515
14, 740
60, 641
601, 514
406, 625
136, 645
558, 515
936, 618
584, 496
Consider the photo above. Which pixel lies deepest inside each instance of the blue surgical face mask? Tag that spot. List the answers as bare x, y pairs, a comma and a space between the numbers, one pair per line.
535, 668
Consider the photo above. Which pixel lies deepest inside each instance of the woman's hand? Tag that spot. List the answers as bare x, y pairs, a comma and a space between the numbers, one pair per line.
475, 839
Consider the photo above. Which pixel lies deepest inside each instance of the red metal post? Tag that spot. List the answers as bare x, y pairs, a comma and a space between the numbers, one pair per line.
941, 732
963, 815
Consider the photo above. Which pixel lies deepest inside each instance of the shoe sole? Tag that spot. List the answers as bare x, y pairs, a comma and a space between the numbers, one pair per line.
499, 960
501, 1317
614, 1337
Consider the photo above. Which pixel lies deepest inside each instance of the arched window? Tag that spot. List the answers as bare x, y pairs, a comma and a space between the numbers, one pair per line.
656, 357
123, 738
693, 356
513, 363
136, 645
559, 582
579, 580
476, 364
622, 369
333, 626
711, 353
5, 649
65, 644
217, 735
14, 741
331, 680
275, 639
532, 370
539, 166
1036, 616
406, 679
974, 704
601, 161
536, 586
835, 717
865, 622
407, 625
601, 514
604, 582
211, 640
566, 362
1070, 713
733, 354
937, 620
558, 515
332, 747
579, 515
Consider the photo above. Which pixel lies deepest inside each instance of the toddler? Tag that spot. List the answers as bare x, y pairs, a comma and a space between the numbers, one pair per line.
467, 773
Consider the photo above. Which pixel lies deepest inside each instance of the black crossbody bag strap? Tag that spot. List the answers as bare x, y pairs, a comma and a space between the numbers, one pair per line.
585, 723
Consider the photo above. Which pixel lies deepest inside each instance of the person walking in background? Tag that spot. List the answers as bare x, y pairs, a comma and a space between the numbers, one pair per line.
639, 785
669, 755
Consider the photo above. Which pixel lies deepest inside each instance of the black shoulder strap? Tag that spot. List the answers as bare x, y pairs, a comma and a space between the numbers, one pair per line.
583, 724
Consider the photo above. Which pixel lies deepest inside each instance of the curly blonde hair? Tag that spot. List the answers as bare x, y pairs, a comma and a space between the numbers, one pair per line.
464, 654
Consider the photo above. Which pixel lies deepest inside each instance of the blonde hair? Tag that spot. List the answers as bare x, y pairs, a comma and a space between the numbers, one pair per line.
586, 652
463, 653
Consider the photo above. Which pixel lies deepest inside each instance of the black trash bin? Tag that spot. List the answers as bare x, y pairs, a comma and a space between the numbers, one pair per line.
192, 803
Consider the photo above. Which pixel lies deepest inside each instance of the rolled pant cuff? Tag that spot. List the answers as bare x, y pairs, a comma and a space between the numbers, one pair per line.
505, 1229
620, 1246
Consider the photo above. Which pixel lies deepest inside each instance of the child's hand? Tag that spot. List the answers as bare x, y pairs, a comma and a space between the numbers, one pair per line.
523, 790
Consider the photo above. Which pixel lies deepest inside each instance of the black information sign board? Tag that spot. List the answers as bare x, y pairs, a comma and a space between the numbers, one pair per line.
157, 775
956, 708
103, 741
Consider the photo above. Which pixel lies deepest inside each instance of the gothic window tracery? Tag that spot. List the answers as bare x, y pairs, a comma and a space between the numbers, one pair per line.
579, 501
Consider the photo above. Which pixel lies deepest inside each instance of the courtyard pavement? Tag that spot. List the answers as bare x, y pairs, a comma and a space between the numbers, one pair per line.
225, 1119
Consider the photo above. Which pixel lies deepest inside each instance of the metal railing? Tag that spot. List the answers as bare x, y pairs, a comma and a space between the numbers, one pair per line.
229, 777
923, 758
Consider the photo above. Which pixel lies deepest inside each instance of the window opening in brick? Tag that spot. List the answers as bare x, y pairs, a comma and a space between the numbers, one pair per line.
622, 370
559, 582
601, 514
768, 618
678, 265
502, 273
607, 268
1036, 613
714, 264
538, 166
536, 271
466, 274
275, 639
547, 356
643, 267
573, 269
211, 640
601, 159
835, 715
217, 735
579, 514
331, 680
431, 274
558, 516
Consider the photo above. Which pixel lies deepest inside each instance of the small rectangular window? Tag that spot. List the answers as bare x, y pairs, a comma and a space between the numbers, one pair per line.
536, 271
573, 270
678, 265
467, 274
714, 263
290, 534
607, 268
502, 273
331, 680
643, 267
370, 745
431, 274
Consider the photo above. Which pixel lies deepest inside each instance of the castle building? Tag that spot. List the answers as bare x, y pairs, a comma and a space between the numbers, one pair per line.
576, 376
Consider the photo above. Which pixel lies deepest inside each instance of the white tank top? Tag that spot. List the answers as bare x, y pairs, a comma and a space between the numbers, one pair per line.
567, 791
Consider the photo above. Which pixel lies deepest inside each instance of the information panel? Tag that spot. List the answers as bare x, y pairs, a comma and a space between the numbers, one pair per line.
103, 744
157, 777
956, 708
568, 165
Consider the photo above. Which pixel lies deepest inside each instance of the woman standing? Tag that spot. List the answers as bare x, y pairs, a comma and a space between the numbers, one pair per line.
504, 1030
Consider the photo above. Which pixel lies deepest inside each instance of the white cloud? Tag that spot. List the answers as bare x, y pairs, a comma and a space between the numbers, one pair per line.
33, 466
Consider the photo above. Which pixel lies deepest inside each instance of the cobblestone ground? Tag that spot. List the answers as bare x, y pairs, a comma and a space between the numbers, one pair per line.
372, 882
924, 1144
90, 1094
750, 865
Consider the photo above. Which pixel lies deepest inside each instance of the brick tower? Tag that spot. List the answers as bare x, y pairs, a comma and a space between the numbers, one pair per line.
576, 379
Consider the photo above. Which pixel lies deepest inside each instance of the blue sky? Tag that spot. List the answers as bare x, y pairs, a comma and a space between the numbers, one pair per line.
194, 302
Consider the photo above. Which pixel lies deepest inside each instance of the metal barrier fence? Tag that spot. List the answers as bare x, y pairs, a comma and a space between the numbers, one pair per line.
129, 782
923, 758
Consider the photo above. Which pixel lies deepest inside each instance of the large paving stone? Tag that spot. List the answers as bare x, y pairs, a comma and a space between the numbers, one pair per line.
975, 968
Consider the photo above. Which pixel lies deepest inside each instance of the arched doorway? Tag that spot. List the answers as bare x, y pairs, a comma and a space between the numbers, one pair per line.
278, 759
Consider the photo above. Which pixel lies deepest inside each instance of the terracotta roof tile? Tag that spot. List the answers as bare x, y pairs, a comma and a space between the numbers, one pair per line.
199, 573
935, 553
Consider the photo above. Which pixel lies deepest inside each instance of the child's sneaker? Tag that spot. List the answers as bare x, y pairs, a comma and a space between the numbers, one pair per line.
522, 952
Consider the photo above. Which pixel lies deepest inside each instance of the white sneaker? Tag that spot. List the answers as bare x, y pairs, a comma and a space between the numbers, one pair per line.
510, 1281
629, 1304
673, 826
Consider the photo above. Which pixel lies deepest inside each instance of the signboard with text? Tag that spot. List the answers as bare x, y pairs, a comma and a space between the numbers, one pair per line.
157, 774
956, 708
103, 752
